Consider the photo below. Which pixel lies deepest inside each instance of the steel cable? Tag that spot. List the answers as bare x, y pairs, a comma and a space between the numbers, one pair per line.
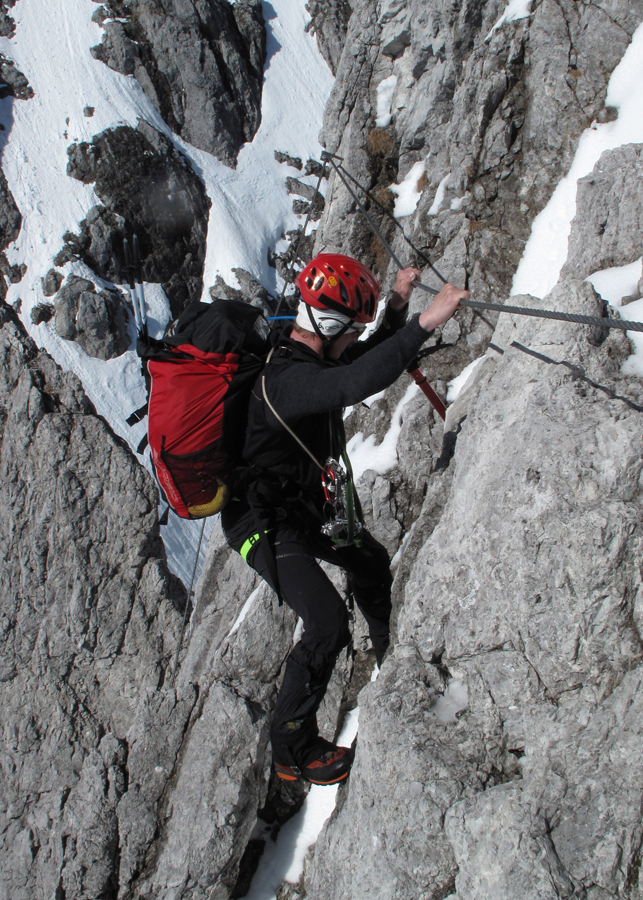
608, 322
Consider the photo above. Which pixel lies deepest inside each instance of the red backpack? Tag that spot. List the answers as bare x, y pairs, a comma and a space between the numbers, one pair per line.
199, 381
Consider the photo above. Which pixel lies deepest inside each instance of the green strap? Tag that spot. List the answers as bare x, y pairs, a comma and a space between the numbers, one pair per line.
249, 544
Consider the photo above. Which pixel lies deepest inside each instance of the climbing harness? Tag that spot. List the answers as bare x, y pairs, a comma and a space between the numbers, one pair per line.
343, 527
607, 323
188, 604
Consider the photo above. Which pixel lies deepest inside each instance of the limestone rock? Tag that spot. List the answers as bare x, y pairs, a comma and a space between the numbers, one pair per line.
10, 222
42, 312
498, 112
7, 23
88, 626
201, 64
150, 189
51, 283
608, 227
249, 290
514, 653
96, 320
329, 24
14, 83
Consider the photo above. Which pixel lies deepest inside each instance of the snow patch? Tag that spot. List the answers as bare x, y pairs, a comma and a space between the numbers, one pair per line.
247, 606
439, 196
546, 249
515, 9
299, 630
453, 701
397, 559
365, 454
408, 195
371, 400
385, 92
618, 282
455, 387
283, 860
614, 284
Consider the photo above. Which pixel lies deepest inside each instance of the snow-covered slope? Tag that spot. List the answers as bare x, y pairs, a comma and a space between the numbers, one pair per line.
250, 207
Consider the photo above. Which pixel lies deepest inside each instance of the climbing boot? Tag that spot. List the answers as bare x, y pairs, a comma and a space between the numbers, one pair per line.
328, 765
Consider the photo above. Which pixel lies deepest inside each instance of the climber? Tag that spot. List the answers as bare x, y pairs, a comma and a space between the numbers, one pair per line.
280, 521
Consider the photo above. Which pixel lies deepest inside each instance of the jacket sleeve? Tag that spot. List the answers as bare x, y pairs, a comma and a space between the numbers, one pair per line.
392, 321
307, 388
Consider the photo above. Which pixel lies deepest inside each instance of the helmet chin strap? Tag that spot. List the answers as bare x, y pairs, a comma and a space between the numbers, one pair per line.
327, 342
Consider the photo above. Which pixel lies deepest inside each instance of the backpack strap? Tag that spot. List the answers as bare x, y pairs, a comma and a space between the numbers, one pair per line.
138, 415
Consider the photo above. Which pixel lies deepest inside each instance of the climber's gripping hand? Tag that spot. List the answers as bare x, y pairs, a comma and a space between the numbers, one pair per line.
444, 305
404, 287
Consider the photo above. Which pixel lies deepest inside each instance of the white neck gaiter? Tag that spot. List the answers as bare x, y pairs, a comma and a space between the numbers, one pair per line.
328, 321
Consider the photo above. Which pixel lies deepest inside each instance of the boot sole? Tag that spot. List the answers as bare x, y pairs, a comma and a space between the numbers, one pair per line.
290, 778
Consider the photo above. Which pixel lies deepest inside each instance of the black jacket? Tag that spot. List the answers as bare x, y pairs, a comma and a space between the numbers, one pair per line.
309, 393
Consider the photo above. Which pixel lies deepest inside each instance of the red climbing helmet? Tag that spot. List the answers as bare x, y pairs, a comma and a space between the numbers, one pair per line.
340, 283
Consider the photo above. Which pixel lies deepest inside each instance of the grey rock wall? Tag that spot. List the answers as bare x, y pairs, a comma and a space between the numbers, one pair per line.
498, 751
329, 23
200, 63
150, 189
88, 625
608, 227
500, 112
96, 320
10, 222
494, 747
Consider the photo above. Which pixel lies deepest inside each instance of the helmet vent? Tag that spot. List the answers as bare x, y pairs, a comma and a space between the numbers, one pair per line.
309, 282
319, 282
344, 293
358, 295
330, 269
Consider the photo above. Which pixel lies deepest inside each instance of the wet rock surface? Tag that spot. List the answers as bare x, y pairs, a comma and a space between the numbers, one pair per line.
96, 319
200, 63
150, 189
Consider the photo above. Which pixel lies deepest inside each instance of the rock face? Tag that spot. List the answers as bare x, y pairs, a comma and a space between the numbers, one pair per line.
7, 23
329, 24
492, 115
96, 320
51, 283
519, 649
10, 222
200, 63
88, 626
499, 751
609, 220
14, 83
150, 189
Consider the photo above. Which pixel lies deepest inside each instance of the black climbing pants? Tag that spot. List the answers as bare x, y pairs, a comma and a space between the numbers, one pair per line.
306, 588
